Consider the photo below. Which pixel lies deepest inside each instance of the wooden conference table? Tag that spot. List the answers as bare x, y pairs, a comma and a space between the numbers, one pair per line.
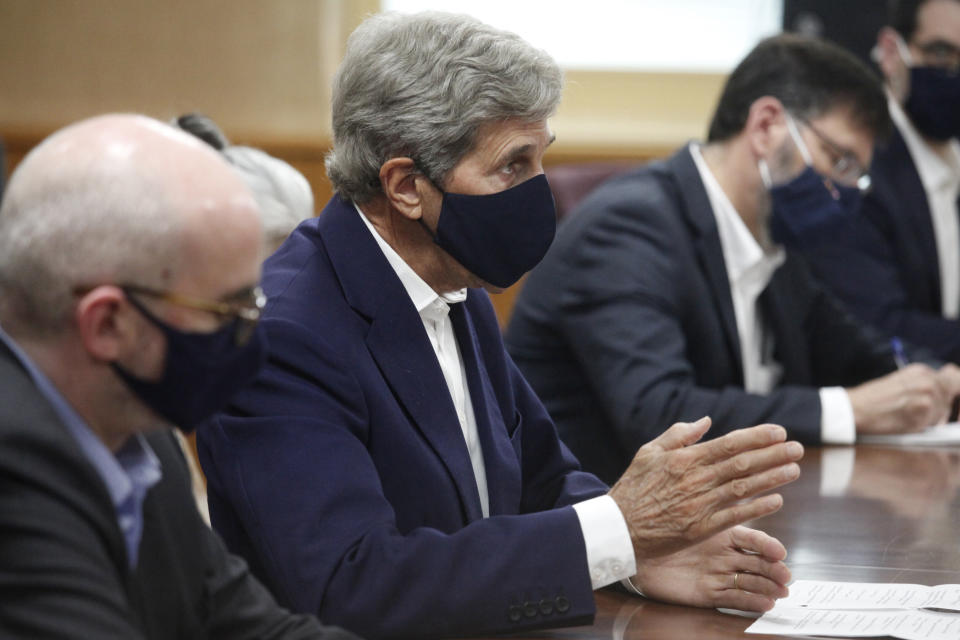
895, 518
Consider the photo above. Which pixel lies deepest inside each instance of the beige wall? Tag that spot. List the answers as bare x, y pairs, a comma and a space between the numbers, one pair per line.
258, 66
622, 113
262, 69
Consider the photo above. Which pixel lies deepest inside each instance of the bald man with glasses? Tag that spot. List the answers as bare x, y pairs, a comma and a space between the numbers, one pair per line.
129, 304
674, 291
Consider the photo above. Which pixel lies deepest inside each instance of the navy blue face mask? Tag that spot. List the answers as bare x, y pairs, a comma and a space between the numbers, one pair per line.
934, 102
202, 371
805, 211
498, 237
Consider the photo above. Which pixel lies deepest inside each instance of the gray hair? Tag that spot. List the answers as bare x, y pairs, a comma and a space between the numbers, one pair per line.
74, 217
283, 195
421, 86
201, 126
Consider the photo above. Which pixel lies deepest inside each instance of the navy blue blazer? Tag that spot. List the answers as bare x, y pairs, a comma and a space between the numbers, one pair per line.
627, 325
885, 266
342, 474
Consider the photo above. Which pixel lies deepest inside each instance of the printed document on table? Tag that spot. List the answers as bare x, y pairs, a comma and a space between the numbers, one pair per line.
908, 625
940, 434
861, 609
817, 594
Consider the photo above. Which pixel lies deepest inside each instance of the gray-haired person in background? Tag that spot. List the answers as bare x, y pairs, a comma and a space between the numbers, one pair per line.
283, 195
284, 200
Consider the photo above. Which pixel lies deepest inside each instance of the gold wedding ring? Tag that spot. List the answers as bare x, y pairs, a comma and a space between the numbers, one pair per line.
736, 579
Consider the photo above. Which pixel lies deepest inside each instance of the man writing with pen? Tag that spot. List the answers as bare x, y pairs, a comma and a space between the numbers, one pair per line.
676, 291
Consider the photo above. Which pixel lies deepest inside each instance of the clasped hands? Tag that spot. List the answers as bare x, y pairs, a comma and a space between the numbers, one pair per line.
682, 501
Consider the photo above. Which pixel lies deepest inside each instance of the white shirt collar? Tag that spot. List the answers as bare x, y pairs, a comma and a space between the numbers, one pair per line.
936, 173
422, 295
742, 254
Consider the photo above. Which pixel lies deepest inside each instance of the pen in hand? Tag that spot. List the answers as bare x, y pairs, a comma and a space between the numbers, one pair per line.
899, 355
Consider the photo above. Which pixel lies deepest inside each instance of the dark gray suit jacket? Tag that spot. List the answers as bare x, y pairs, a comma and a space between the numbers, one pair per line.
628, 325
884, 265
63, 563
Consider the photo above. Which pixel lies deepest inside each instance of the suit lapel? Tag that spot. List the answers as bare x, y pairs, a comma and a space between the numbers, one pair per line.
699, 215
499, 458
917, 221
783, 319
52, 451
398, 343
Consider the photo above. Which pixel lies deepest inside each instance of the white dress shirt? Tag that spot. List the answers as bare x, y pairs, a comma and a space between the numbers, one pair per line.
608, 548
749, 270
940, 177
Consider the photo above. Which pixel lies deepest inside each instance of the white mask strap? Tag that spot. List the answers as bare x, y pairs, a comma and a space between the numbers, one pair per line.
764, 173
903, 50
798, 140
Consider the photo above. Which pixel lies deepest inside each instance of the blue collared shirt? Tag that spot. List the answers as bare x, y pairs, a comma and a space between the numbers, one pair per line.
128, 475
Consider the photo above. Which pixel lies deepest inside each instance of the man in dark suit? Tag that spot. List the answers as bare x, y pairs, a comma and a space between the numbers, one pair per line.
669, 296
125, 305
897, 265
390, 468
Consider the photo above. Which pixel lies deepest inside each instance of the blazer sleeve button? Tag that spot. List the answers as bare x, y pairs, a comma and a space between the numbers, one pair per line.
530, 609
563, 605
515, 613
546, 607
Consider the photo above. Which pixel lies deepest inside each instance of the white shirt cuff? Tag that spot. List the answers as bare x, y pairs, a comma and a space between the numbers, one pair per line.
627, 584
609, 550
837, 425
836, 470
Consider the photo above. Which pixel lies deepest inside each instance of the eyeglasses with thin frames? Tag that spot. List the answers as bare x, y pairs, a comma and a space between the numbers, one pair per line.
246, 313
845, 167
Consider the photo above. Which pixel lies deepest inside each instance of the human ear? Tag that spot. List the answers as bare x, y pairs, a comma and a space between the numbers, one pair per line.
404, 186
103, 329
890, 60
766, 126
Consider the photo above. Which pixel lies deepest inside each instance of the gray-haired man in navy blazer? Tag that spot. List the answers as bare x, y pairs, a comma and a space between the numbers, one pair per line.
390, 468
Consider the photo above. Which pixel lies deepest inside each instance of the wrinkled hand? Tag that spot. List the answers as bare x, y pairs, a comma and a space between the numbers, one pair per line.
910, 399
676, 493
703, 575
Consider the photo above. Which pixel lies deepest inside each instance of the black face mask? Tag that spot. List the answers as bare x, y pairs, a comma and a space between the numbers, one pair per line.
934, 102
202, 371
498, 237
804, 212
